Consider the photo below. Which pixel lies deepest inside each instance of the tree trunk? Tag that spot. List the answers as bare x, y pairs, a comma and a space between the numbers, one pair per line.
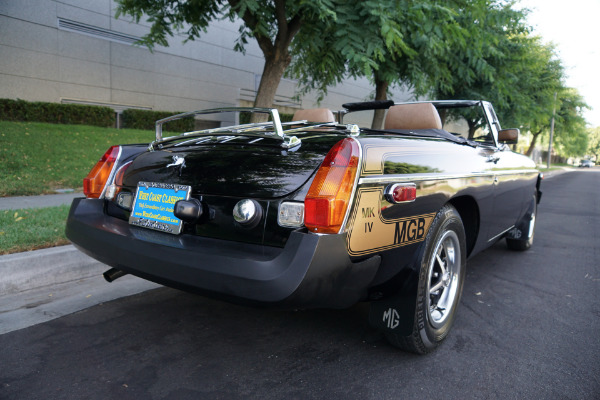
275, 65
532, 145
276, 52
381, 88
472, 128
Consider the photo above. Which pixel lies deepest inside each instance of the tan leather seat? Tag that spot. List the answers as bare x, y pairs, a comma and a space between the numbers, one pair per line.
413, 116
314, 115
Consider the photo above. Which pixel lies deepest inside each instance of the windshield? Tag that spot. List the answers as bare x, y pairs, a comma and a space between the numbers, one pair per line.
466, 121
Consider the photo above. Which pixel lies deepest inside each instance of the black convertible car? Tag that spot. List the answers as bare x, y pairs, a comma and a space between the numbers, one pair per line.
324, 211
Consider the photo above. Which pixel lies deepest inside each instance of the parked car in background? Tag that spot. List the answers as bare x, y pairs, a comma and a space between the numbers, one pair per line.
586, 164
318, 212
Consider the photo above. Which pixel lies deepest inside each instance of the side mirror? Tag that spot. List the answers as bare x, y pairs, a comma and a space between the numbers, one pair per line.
508, 136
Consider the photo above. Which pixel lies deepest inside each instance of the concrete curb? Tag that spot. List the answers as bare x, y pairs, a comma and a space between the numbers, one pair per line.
41, 285
557, 172
34, 269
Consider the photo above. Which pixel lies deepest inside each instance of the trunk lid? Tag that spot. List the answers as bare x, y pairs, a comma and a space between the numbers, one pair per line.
264, 172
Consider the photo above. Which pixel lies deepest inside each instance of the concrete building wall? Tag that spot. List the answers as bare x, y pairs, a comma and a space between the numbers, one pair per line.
76, 51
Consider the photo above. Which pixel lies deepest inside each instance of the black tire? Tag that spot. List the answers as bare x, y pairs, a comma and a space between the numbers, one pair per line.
441, 278
521, 237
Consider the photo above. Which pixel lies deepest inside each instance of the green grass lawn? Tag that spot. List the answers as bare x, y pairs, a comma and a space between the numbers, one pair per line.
32, 228
38, 158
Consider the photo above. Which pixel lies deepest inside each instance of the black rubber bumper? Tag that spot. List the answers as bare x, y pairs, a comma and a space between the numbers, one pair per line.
310, 271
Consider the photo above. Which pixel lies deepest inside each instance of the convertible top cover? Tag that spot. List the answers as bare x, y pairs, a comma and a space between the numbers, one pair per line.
431, 133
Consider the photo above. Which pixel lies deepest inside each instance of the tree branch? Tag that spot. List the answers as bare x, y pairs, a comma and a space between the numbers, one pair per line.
293, 28
287, 30
264, 42
281, 19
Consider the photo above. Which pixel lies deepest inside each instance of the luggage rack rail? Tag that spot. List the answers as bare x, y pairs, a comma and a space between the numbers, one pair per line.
270, 130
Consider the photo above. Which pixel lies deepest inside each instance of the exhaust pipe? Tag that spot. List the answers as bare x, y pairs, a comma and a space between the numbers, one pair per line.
113, 274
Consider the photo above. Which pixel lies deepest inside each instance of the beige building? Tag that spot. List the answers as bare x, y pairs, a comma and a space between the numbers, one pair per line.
75, 51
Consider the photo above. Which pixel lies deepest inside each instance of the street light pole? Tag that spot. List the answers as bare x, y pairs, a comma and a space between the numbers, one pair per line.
551, 132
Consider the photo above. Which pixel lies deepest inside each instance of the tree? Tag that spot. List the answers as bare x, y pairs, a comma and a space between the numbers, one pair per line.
430, 31
448, 50
277, 26
538, 80
273, 24
401, 42
594, 143
570, 132
519, 74
490, 63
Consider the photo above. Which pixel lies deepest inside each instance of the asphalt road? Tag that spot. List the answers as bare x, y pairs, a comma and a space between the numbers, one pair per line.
528, 328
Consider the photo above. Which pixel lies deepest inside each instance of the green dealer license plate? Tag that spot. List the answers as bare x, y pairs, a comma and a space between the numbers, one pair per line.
153, 206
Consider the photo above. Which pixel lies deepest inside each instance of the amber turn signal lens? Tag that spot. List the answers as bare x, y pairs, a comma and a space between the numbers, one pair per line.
94, 182
329, 195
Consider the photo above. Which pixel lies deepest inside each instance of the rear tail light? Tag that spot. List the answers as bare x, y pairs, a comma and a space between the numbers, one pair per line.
329, 195
96, 180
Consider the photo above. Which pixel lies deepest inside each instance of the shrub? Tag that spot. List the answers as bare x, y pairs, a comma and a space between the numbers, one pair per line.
25, 111
146, 119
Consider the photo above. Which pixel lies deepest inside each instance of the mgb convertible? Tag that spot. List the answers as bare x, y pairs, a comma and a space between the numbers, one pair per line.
323, 211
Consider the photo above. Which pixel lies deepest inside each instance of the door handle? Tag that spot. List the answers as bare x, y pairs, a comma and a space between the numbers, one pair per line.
493, 159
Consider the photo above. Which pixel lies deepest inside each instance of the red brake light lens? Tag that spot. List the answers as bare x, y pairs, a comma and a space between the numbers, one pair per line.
94, 182
329, 195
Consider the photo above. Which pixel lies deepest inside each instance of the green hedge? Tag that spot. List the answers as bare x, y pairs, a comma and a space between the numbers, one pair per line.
56, 113
145, 119
21, 110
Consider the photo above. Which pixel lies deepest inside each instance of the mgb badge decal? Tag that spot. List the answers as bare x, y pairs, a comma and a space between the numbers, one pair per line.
391, 318
369, 232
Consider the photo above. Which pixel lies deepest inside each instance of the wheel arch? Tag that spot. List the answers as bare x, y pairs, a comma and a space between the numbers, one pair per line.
469, 213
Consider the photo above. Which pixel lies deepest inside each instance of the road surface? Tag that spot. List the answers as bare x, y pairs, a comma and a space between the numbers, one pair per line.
528, 327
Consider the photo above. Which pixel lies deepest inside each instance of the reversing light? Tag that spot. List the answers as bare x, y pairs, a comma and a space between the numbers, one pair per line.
329, 195
291, 214
96, 180
111, 192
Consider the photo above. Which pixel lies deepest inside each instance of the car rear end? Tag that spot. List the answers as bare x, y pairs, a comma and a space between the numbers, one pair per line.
245, 218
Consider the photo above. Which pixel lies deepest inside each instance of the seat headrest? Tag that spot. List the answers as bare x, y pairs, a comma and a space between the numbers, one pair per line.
413, 116
314, 115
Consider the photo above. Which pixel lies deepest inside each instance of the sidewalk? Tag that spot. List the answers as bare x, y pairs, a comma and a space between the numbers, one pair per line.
49, 200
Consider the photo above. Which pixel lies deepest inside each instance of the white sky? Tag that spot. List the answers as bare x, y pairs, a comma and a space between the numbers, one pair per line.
574, 27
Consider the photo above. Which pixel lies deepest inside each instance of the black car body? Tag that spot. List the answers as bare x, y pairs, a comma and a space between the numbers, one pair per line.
317, 214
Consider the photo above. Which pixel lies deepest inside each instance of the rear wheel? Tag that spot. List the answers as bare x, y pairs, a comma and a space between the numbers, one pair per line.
442, 271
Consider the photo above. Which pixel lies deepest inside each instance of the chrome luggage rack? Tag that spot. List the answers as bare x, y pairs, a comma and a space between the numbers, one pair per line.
268, 130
